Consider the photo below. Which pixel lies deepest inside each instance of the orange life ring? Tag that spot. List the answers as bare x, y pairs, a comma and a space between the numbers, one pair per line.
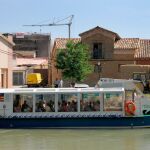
130, 107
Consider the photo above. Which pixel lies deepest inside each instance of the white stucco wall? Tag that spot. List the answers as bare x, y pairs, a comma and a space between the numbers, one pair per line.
4, 51
6, 62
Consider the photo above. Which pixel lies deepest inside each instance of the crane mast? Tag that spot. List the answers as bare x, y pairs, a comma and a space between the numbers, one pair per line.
57, 24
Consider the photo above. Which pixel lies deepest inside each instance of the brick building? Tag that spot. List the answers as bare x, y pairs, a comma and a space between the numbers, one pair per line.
115, 57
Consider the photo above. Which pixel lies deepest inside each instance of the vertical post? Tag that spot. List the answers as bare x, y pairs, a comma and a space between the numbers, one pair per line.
34, 103
49, 62
69, 26
78, 101
4, 108
99, 69
56, 101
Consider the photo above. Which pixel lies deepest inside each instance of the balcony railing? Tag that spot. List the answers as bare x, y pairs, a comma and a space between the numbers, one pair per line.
97, 56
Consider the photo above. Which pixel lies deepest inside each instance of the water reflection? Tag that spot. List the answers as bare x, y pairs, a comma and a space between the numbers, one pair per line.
46, 139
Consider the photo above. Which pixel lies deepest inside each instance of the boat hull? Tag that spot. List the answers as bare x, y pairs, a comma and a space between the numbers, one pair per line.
97, 122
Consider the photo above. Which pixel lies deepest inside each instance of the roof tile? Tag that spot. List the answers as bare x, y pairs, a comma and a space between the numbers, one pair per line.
144, 49
61, 42
141, 46
127, 43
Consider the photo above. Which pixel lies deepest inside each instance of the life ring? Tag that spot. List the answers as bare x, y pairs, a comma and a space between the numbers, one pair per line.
130, 107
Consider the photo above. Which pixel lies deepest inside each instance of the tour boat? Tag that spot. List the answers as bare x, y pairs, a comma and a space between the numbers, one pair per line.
109, 106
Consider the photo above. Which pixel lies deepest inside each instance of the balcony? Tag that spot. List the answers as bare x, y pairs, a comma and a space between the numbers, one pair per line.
97, 56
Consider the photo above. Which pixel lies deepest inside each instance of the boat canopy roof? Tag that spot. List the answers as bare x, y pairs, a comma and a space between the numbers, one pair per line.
60, 90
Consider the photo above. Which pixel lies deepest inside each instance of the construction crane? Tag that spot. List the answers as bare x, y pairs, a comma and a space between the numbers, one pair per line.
57, 24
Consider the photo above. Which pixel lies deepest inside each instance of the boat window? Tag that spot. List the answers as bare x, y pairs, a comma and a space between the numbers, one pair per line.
113, 101
45, 103
67, 102
90, 102
1, 97
7, 97
22, 103
129, 95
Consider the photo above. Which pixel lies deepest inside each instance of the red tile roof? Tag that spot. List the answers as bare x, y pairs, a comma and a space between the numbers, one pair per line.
127, 43
141, 46
100, 29
144, 49
61, 42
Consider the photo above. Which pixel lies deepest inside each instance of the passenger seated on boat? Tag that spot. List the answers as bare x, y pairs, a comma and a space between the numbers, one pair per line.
25, 107
40, 107
96, 105
46, 106
51, 105
69, 106
73, 106
16, 106
90, 106
63, 107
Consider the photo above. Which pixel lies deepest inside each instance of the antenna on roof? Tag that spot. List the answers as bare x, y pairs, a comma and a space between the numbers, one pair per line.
69, 23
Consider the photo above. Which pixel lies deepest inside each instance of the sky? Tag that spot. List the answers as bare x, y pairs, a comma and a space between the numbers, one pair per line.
128, 18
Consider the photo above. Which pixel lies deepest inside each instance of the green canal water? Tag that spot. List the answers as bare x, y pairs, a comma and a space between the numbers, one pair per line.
82, 139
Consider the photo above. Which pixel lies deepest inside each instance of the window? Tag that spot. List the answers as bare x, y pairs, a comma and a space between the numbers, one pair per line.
45, 103
18, 78
90, 102
113, 102
67, 102
97, 50
22, 103
2, 80
129, 95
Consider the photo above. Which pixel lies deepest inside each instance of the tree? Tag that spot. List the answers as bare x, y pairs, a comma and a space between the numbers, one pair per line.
74, 61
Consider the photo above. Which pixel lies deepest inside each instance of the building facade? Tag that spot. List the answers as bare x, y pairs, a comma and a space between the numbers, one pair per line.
32, 51
31, 45
110, 54
6, 61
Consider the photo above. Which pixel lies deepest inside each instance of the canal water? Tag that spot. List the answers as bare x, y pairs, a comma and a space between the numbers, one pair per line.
82, 139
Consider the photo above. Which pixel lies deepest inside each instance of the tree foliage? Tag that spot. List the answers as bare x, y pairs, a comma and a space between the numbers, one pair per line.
74, 61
